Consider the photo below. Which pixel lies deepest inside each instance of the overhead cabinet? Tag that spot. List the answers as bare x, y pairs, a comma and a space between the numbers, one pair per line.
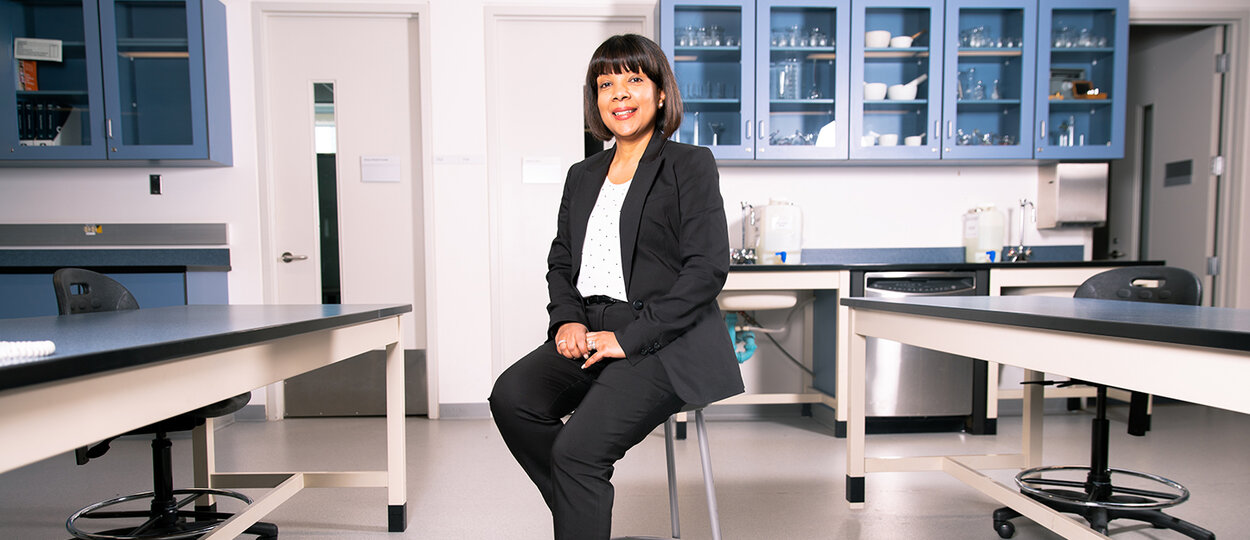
901, 79
761, 80
115, 80
1081, 102
896, 79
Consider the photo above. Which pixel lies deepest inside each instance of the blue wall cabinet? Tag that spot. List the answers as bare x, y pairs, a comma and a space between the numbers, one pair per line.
712, 47
990, 72
1082, 66
801, 102
761, 80
137, 80
896, 79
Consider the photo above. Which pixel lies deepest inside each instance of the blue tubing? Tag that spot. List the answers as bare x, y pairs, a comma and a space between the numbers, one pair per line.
747, 339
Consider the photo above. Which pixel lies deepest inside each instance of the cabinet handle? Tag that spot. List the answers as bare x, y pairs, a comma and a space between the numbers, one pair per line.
950, 129
1043, 133
748, 130
937, 131
108, 127
761, 131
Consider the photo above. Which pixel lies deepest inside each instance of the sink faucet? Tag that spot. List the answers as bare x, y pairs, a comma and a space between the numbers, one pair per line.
745, 255
1020, 253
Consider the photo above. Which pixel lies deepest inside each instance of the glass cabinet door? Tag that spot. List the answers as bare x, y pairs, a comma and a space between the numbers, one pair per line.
896, 79
990, 72
153, 50
802, 89
713, 47
1080, 87
52, 85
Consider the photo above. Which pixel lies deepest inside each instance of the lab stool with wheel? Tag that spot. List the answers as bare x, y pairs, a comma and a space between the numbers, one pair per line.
164, 518
1096, 498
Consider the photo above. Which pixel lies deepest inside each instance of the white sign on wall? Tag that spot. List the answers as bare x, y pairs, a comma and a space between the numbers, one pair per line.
379, 168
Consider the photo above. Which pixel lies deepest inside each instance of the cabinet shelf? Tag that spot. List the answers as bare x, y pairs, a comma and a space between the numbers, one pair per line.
707, 54
52, 94
897, 102
713, 101
1078, 103
897, 52
801, 101
987, 102
803, 49
991, 51
1081, 50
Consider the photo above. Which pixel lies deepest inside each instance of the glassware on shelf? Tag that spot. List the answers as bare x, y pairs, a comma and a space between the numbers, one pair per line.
818, 38
716, 36
787, 77
717, 128
688, 37
988, 138
978, 91
994, 92
966, 83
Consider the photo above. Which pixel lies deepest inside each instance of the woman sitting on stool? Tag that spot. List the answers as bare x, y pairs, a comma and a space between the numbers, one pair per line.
640, 254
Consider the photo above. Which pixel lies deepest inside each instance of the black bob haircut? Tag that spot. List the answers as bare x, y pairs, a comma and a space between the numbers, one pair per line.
632, 52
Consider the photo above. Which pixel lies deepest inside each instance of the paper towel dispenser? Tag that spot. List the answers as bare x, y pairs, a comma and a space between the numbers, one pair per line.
1072, 195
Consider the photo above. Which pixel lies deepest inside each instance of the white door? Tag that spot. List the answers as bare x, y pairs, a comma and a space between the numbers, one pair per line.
1174, 95
528, 159
367, 60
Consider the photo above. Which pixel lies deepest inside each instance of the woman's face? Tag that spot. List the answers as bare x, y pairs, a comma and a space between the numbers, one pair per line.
628, 103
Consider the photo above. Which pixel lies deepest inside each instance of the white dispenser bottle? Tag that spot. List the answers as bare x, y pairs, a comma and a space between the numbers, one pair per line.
781, 233
984, 234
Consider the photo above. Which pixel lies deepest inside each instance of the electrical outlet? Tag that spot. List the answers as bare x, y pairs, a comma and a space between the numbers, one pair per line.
154, 184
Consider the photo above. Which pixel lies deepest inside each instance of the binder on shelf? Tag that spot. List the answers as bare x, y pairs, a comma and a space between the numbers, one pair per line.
41, 130
27, 75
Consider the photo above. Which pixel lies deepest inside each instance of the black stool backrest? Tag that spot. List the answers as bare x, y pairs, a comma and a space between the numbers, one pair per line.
1159, 284
84, 291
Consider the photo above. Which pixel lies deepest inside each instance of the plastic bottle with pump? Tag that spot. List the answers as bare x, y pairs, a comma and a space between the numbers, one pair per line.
984, 234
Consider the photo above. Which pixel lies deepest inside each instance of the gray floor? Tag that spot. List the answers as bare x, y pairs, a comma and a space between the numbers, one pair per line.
776, 478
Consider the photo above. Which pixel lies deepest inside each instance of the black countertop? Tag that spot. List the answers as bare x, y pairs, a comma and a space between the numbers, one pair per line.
95, 342
1221, 328
881, 267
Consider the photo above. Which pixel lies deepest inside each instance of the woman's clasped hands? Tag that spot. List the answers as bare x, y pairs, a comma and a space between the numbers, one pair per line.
573, 341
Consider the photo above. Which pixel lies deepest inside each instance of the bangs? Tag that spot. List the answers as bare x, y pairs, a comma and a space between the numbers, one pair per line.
622, 56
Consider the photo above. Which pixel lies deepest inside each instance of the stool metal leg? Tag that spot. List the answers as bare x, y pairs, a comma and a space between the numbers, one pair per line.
705, 456
672, 477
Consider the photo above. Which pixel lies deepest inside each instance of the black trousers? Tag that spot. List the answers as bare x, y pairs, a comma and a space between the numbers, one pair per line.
615, 404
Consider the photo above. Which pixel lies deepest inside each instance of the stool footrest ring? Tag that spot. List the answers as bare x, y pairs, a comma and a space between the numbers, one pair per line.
194, 529
1032, 483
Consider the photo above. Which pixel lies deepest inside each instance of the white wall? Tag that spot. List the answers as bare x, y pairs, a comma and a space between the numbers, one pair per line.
890, 207
844, 206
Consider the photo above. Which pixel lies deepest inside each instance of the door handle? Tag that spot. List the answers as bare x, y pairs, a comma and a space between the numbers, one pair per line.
287, 257
761, 130
748, 130
1043, 133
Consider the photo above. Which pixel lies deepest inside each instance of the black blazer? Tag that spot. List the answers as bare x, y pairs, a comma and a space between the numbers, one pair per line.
675, 257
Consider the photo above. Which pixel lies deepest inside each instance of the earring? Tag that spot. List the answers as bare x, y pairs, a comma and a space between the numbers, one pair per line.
661, 104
